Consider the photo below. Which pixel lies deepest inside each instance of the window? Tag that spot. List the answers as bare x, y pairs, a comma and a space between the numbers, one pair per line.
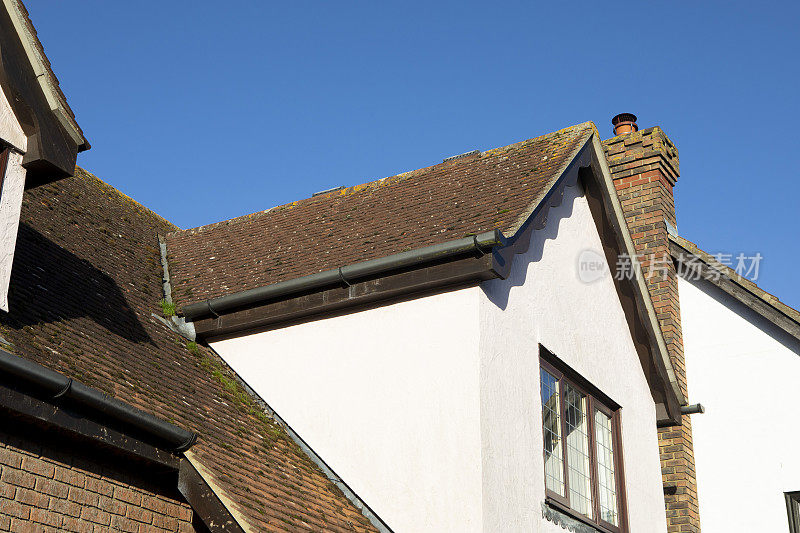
793, 508
582, 452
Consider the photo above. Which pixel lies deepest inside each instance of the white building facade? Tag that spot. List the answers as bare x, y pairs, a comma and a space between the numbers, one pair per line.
745, 370
431, 408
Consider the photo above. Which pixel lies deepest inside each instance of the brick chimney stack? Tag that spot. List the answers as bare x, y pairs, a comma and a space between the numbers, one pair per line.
644, 166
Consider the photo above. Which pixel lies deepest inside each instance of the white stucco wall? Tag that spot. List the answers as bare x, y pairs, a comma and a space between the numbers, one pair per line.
389, 398
430, 409
746, 373
11, 195
585, 326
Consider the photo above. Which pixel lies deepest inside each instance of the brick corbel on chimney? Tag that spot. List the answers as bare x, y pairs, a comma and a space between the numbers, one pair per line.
643, 151
644, 166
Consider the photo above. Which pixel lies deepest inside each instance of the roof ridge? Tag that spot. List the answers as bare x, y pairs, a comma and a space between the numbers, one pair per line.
390, 179
122, 195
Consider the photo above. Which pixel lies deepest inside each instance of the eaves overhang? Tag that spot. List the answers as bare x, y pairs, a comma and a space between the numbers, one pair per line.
697, 263
33, 390
37, 102
458, 262
42, 397
662, 370
44, 75
588, 166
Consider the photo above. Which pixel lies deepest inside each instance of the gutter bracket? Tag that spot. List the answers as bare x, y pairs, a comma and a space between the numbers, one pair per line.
478, 250
344, 280
65, 390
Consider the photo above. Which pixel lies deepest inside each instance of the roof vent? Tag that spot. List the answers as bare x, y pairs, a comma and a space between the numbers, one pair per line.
624, 123
459, 156
326, 191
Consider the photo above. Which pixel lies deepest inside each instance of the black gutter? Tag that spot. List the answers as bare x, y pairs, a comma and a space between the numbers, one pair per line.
60, 386
476, 244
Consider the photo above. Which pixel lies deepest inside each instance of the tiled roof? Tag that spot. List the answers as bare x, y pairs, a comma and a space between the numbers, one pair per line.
495, 189
85, 281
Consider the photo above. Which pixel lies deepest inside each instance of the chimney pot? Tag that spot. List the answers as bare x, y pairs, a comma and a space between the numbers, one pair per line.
624, 123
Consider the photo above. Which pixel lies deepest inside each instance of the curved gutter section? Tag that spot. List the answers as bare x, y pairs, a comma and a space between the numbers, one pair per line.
59, 386
478, 244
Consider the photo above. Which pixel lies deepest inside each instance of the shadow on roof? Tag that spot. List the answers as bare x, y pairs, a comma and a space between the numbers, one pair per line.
49, 284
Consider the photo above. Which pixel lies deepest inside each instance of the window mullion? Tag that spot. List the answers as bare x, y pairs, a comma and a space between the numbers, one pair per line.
593, 457
562, 421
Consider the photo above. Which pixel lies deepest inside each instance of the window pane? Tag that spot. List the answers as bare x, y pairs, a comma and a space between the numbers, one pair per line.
551, 421
580, 484
606, 483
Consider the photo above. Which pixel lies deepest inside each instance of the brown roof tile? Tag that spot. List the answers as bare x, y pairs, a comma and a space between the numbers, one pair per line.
85, 280
496, 189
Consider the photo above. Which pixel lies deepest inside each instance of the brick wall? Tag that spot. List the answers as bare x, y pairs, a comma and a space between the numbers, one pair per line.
645, 167
48, 483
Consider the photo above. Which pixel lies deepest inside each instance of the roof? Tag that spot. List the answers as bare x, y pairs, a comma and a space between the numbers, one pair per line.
741, 288
495, 189
85, 282
44, 71
455, 223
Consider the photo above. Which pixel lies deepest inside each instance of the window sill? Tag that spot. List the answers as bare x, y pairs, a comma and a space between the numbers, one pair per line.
569, 519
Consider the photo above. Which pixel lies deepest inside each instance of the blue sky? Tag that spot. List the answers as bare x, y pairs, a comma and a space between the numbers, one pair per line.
203, 113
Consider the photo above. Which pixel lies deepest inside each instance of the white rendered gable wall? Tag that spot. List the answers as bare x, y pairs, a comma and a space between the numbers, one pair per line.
430, 409
388, 398
11, 194
585, 326
746, 372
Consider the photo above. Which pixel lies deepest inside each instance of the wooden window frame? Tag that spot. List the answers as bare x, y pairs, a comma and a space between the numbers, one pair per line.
596, 400
792, 501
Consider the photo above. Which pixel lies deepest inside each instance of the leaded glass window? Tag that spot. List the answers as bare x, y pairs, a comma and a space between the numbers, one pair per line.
580, 426
551, 414
606, 481
578, 460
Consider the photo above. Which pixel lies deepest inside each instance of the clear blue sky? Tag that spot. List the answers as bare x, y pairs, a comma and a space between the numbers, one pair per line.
204, 110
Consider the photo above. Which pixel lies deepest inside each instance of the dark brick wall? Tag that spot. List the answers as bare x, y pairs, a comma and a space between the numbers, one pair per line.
49, 484
644, 166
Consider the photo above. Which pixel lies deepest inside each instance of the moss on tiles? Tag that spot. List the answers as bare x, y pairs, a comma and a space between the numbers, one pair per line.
168, 308
272, 432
